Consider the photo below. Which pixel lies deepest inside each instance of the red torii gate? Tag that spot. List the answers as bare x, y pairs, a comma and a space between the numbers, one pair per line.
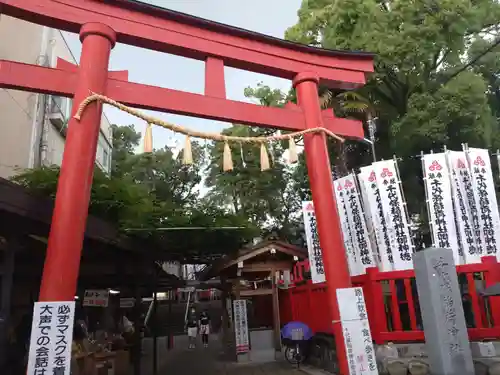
102, 23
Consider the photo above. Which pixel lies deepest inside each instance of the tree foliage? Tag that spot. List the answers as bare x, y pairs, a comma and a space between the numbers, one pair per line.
420, 101
143, 191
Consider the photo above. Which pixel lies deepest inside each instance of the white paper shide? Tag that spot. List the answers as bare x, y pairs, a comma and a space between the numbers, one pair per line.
356, 330
241, 326
440, 204
313, 246
51, 338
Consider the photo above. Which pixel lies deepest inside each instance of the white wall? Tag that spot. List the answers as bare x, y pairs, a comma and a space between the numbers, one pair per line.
20, 41
60, 49
26, 132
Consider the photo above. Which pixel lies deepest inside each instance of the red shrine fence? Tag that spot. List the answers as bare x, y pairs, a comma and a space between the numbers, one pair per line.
392, 302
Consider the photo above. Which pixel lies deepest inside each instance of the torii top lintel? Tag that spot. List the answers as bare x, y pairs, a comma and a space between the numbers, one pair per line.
151, 27
219, 45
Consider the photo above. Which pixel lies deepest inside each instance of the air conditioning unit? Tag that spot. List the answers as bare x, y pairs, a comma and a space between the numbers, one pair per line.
57, 112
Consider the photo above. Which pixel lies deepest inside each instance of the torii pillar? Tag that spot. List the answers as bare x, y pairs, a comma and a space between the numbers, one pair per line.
325, 208
62, 262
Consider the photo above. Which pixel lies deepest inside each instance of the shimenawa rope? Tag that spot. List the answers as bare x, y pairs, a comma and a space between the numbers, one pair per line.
227, 157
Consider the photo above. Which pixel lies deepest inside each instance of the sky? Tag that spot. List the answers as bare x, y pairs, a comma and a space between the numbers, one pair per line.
271, 17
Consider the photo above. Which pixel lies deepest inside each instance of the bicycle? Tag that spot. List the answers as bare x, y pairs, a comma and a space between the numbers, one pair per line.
293, 354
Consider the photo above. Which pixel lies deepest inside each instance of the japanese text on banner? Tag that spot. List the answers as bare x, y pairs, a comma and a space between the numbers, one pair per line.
313, 245
485, 198
368, 178
467, 222
440, 204
394, 211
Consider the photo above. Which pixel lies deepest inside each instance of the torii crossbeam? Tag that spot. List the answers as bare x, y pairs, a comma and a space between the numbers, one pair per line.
102, 23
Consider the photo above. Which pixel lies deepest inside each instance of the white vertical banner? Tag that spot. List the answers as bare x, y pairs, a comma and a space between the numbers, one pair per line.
313, 246
394, 211
51, 338
486, 200
368, 179
356, 330
241, 326
462, 197
440, 204
357, 224
353, 261
370, 226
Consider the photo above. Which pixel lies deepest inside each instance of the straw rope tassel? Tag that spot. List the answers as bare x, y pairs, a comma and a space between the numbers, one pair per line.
227, 162
187, 158
293, 157
264, 158
148, 138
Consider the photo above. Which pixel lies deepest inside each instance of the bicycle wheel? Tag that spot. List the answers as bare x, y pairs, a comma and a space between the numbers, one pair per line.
290, 355
293, 355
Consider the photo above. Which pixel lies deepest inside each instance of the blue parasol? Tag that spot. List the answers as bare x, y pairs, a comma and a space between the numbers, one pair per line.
296, 331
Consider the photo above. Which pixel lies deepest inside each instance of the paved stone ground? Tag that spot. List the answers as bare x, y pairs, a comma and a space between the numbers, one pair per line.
208, 361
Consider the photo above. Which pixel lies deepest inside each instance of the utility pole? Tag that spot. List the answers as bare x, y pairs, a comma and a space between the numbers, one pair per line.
372, 128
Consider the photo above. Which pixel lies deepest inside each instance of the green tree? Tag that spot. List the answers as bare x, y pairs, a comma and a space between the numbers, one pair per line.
419, 102
266, 198
125, 141
143, 191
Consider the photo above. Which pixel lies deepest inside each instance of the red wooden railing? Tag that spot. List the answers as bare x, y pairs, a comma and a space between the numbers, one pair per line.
392, 302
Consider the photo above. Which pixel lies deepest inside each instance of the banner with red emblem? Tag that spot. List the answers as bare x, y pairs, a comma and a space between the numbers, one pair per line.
440, 204
349, 207
313, 246
483, 188
466, 214
373, 204
391, 197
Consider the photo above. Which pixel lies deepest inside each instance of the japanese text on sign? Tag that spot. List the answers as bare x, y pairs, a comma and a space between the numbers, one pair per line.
98, 298
356, 329
51, 338
241, 326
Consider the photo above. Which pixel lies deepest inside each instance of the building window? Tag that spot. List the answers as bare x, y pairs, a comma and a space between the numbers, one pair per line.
105, 158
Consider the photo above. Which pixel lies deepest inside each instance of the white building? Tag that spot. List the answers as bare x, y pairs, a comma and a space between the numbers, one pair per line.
33, 126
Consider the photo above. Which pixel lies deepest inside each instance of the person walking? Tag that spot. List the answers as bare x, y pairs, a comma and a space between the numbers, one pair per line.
192, 328
204, 327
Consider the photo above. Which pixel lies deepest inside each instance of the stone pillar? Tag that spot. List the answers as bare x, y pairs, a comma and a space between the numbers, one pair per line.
447, 341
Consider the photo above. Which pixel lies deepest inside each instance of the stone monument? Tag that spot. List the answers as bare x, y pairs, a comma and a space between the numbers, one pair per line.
446, 337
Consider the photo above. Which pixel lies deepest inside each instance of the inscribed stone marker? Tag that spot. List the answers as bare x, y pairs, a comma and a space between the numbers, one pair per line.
446, 337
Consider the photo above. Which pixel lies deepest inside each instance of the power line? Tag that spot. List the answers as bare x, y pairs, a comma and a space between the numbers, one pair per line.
471, 62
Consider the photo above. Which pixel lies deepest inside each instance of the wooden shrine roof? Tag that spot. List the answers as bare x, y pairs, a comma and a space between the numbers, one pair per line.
259, 253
